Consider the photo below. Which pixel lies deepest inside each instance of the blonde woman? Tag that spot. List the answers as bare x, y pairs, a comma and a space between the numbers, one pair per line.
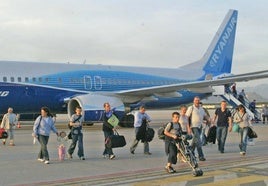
244, 121
184, 120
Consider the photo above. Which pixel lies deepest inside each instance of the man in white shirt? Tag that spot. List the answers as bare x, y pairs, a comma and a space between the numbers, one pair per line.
196, 115
139, 118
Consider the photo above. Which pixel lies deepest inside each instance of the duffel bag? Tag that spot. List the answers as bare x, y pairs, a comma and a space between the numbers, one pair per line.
115, 141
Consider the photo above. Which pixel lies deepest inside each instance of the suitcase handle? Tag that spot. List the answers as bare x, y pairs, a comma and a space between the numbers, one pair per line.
116, 133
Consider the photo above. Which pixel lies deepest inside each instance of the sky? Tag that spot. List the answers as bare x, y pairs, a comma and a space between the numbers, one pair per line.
158, 33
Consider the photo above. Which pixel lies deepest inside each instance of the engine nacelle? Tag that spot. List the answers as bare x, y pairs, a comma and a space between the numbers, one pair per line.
92, 106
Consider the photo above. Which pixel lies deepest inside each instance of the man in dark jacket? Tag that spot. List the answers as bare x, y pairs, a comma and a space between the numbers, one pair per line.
107, 129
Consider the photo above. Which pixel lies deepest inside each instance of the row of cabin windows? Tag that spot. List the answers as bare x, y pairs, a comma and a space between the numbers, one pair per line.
81, 80
26, 79
40, 80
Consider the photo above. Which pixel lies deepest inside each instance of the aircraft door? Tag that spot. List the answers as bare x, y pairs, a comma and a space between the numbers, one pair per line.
87, 82
97, 82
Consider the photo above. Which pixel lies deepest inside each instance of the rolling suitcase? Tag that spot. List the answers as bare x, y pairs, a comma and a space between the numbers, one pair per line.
115, 141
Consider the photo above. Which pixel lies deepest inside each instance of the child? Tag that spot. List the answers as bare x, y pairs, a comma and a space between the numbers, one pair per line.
62, 143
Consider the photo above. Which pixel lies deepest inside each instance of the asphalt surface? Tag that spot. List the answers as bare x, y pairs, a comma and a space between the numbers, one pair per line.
20, 166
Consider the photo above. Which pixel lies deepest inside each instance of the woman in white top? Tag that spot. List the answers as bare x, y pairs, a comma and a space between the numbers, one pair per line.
184, 121
244, 121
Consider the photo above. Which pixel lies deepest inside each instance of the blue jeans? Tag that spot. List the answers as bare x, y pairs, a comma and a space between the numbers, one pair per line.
196, 142
43, 153
10, 133
79, 138
244, 137
107, 150
221, 137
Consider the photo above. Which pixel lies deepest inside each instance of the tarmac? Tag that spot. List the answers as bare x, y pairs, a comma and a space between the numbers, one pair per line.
20, 166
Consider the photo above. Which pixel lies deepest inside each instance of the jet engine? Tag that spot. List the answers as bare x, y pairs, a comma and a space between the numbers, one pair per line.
92, 107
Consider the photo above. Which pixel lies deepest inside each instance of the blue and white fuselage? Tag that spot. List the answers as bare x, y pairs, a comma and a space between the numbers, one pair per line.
27, 86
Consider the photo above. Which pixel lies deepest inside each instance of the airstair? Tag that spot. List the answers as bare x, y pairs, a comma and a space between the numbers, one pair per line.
234, 101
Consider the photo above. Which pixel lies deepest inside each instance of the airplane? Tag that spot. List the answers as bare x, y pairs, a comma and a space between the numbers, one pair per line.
27, 86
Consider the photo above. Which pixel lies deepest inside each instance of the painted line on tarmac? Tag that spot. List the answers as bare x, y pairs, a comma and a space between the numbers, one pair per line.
126, 177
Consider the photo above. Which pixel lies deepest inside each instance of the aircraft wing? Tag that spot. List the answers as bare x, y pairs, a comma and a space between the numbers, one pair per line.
204, 86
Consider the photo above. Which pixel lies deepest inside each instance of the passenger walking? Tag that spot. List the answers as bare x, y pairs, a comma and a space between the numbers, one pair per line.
107, 129
242, 96
41, 130
141, 119
9, 123
77, 134
204, 126
196, 115
252, 106
244, 121
172, 131
233, 89
184, 121
264, 113
62, 144
224, 124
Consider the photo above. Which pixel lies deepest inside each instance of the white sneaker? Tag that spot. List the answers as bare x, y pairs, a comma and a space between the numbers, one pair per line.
46, 162
82, 158
112, 157
41, 160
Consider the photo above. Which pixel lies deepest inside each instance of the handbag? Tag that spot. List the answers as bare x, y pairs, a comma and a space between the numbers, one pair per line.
252, 133
211, 136
235, 127
113, 120
3, 133
115, 141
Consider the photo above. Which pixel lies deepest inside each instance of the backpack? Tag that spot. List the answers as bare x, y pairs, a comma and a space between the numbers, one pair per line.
161, 130
149, 135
